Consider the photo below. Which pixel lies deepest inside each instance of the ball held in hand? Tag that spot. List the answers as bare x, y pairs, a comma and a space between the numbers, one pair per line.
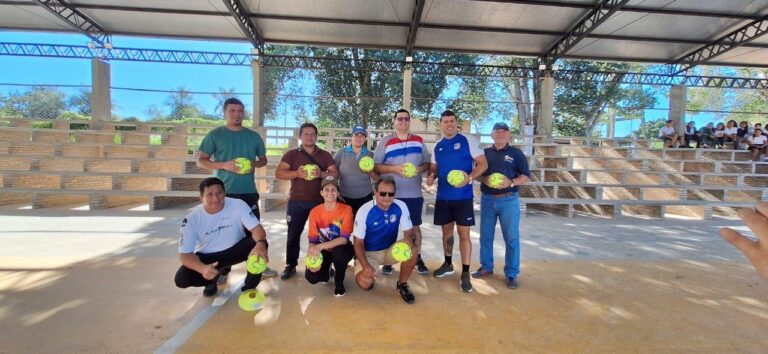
243, 165
366, 164
310, 169
401, 252
409, 170
495, 180
314, 263
455, 177
256, 264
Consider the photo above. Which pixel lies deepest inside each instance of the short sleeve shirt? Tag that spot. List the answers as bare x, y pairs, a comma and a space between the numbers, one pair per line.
207, 233
758, 140
379, 228
456, 153
301, 189
327, 225
353, 183
665, 130
223, 144
393, 151
509, 161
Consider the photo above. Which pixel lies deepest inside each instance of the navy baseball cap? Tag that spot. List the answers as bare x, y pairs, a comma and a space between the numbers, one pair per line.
501, 125
359, 129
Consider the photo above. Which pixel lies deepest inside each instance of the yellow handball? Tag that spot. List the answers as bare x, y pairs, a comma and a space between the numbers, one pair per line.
314, 263
251, 300
309, 168
243, 165
409, 170
256, 264
495, 180
366, 164
401, 252
455, 177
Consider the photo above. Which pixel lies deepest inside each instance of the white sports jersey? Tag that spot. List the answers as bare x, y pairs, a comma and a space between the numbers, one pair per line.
207, 233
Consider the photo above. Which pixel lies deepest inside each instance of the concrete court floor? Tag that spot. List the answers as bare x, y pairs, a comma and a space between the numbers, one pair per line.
79, 281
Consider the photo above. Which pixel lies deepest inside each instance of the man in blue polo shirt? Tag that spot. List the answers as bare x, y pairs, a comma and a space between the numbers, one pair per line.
502, 202
375, 231
454, 204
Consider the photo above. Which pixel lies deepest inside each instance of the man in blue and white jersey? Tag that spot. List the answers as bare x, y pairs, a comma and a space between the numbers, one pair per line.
375, 231
454, 204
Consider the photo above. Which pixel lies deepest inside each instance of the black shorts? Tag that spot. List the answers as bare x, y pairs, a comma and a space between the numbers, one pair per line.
415, 205
462, 212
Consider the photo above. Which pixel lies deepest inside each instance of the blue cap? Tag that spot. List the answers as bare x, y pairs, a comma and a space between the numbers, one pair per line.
359, 129
501, 125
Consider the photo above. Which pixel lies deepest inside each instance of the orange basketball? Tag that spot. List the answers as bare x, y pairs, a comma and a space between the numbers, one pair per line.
363, 281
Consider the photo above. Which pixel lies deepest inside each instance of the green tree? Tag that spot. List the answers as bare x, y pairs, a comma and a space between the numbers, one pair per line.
38, 102
181, 104
650, 130
81, 103
220, 97
579, 105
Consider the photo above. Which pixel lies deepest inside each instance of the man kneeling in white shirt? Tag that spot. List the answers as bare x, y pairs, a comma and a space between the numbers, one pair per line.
213, 238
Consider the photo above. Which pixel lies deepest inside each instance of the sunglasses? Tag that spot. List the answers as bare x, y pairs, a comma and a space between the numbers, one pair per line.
403, 119
386, 194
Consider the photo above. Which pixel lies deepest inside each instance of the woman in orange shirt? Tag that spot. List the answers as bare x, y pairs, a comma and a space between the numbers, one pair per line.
330, 225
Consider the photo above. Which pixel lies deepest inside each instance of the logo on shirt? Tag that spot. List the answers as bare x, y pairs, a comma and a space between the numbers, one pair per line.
509, 159
457, 146
392, 218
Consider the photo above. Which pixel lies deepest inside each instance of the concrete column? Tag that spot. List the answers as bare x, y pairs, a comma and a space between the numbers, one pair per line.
547, 99
101, 93
258, 100
407, 77
677, 100
611, 129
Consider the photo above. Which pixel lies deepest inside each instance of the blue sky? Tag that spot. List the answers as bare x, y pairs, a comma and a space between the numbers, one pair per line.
163, 76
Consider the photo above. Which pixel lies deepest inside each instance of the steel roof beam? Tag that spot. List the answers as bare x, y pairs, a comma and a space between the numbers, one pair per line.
581, 29
728, 42
77, 20
240, 12
216, 58
418, 8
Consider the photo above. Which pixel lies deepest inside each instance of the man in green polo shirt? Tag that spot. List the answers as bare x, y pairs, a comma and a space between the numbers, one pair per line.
220, 148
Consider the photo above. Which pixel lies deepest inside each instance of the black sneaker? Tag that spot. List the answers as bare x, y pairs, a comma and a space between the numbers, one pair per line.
481, 273
288, 272
331, 273
339, 291
512, 283
211, 289
445, 269
222, 279
464, 284
387, 270
421, 268
405, 293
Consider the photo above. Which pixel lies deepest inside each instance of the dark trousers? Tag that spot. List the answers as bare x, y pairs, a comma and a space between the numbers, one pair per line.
692, 137
356, 203
252, 199
238, 253
339, 256
296, 216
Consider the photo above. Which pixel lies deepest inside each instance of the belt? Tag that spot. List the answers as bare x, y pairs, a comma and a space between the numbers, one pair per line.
502, 195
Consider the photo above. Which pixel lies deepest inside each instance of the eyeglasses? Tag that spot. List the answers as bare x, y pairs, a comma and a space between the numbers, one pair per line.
403, 119
386, 194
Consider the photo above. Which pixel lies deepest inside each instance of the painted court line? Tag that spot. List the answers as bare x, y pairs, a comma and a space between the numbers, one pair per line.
186, 332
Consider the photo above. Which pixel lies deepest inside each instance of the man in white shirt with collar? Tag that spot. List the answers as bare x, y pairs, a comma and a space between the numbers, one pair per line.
669, 136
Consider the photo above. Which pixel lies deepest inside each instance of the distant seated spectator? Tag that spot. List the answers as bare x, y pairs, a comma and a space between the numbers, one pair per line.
731, 134
669, 136
757, 144
692, 135
708, 136
742, 133
720, 135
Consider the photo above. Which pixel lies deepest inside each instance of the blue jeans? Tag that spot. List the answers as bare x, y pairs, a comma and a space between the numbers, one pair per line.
507, 210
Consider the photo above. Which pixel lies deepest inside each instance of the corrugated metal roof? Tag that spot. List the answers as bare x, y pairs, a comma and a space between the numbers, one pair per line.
642, 30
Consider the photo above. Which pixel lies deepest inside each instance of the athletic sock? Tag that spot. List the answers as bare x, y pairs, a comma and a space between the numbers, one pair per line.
448, 259
465, 268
